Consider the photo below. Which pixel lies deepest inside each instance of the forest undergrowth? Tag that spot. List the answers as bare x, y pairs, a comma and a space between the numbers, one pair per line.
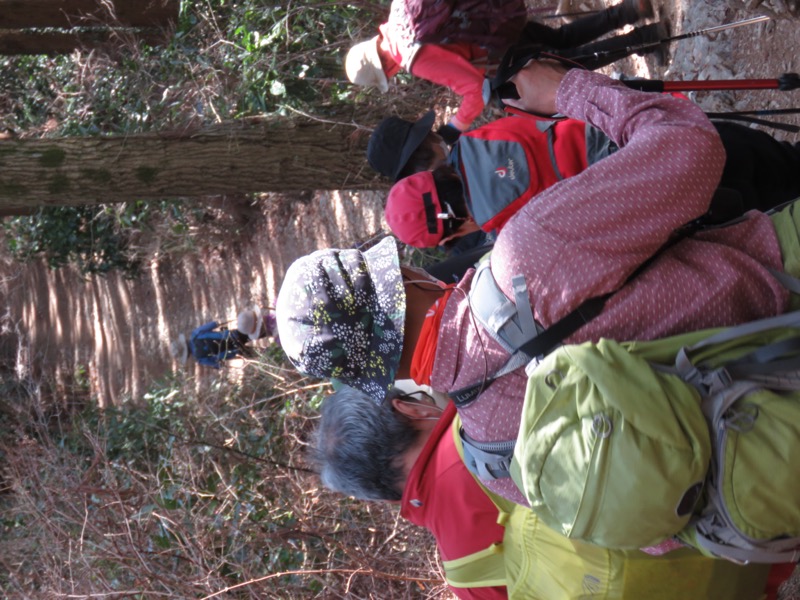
185, 493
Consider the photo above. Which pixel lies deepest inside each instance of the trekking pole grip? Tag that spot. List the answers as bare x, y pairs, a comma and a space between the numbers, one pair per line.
788, 82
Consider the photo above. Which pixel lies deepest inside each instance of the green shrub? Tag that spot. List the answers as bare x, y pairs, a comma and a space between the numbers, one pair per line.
94, 238
99, 239
225, 60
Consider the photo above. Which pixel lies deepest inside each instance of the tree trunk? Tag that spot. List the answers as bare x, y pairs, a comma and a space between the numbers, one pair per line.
280, 155
33, 41
19, 14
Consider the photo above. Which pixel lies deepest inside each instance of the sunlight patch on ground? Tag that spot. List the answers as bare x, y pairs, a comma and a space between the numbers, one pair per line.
165, 335
94, 316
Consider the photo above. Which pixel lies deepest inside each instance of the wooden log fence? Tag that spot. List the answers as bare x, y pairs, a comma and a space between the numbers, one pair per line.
61, 26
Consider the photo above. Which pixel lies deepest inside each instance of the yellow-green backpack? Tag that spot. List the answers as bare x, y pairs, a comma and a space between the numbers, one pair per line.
695, 436
536, 563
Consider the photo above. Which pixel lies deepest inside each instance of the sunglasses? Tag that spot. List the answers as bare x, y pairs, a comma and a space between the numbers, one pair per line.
417, 397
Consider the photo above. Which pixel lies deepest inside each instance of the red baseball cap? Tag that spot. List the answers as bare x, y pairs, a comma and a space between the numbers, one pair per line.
412, 210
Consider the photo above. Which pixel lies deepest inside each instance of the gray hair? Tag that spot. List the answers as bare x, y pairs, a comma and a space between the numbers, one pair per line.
358, 446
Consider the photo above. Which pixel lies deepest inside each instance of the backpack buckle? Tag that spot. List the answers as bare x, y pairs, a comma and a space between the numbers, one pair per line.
717, 380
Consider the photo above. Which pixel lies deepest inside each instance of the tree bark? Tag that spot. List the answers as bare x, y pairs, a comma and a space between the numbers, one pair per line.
33, 41
19, 14
283, 155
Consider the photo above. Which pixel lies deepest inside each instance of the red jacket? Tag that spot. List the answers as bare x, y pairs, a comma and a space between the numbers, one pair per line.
460, 67
442, 496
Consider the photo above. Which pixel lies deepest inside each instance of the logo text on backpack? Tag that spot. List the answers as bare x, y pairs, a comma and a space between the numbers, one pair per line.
509, 170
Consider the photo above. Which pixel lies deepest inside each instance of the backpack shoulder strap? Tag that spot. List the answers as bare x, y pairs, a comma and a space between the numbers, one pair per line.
548, 127
485, 568
751, 555
509, 323
512, 325
779, 356
464, 396
543, 341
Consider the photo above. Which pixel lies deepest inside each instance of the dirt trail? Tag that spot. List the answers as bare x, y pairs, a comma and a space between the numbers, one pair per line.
114, 333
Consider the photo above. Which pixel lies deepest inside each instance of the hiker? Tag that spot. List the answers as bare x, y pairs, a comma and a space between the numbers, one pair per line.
257, 323
362, 318
428, 209
399, 148
760, 172
210, 344
456, 43
405, 450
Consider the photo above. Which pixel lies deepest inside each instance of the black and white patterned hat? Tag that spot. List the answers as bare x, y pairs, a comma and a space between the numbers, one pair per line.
340, 314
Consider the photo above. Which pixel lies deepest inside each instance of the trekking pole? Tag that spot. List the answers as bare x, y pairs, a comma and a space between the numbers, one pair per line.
753, 116
784, 83
577, 13
646, 45
716, 28
758, 113
535, 10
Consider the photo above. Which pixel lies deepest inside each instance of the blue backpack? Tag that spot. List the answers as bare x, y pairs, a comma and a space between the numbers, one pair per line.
210, 346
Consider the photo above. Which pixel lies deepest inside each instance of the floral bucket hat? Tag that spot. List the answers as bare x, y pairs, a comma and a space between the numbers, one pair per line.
340, 314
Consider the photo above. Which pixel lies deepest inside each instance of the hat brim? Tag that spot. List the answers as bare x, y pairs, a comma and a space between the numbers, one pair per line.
416, 135
382, 82
363, 65
260, 318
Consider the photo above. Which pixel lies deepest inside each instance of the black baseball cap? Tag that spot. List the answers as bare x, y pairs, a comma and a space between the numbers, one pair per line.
394, 141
